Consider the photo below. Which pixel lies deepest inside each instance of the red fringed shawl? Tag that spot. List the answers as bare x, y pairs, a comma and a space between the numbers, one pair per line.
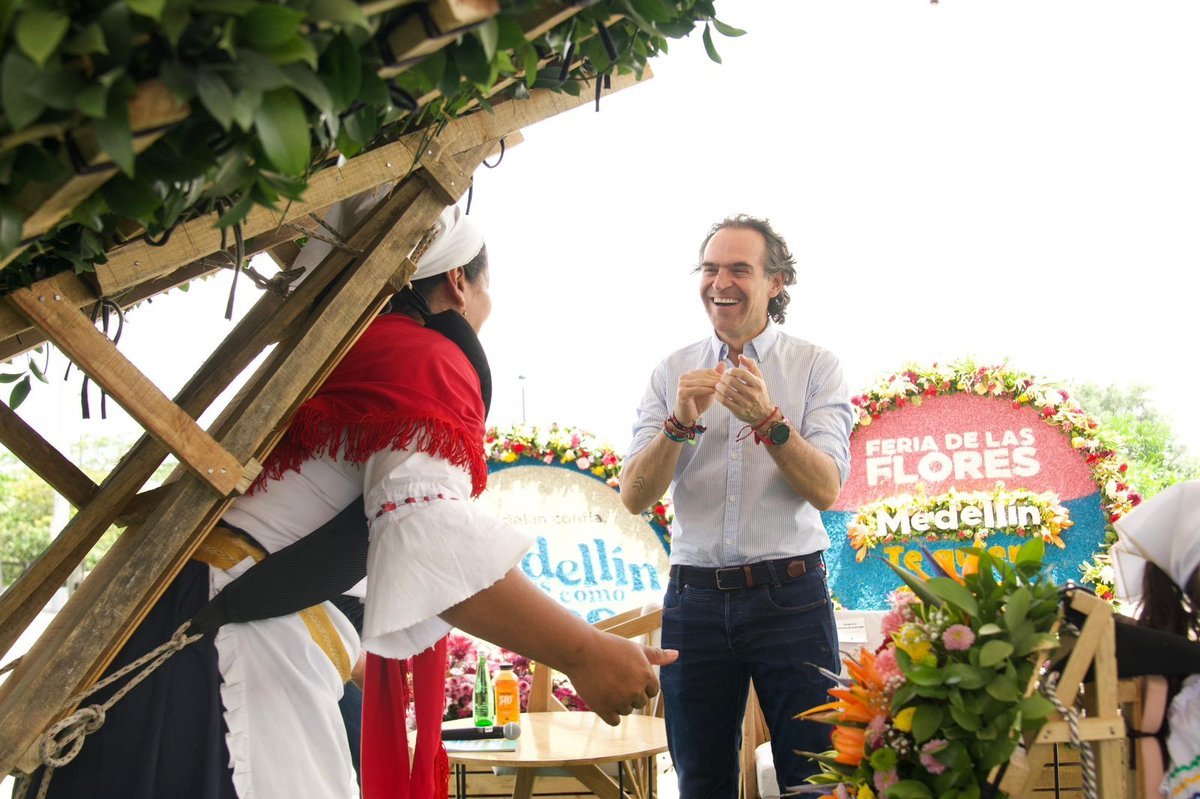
400, 386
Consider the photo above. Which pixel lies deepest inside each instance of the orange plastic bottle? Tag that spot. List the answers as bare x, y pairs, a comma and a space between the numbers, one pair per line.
508, 695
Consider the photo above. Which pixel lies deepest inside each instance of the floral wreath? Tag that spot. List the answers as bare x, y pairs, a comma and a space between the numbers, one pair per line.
571, 449
1057, 408
865, 533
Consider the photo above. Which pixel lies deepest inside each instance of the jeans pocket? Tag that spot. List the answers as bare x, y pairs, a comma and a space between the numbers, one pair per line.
798, 596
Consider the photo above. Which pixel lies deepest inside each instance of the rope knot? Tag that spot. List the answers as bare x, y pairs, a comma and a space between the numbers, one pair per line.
62, 742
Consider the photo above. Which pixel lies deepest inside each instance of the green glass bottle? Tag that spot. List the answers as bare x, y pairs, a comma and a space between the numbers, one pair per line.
484, 717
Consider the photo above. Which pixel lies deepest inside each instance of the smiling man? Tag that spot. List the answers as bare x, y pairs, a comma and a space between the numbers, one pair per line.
750, 430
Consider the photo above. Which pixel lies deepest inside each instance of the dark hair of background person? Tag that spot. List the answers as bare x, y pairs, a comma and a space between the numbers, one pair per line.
405, 302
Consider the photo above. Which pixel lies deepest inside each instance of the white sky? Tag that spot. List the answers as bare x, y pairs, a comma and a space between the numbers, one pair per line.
995, 178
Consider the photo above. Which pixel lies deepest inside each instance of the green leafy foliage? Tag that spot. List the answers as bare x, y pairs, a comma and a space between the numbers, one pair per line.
276, 90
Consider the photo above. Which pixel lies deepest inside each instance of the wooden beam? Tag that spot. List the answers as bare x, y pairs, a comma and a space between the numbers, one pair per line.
95, 354
152, 109
133, 263
47, 462
102, 613
433, 27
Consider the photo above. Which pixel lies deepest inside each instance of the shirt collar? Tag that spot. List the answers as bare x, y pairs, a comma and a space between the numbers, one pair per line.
757, 348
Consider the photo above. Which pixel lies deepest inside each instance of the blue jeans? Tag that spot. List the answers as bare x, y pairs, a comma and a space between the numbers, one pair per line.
771, 634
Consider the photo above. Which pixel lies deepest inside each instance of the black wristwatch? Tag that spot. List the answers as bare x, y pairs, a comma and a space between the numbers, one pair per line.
779, 433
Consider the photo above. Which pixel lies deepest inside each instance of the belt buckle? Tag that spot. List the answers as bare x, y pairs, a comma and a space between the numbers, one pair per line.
732, 570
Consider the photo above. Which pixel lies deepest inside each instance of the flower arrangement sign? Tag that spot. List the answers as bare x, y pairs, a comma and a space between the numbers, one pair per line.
956, 456
591, 554
942, 703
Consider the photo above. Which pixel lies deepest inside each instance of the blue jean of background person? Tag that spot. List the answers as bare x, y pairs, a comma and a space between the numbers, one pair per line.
769, 633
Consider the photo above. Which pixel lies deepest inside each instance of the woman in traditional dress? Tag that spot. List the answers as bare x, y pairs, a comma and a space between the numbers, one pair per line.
252, 711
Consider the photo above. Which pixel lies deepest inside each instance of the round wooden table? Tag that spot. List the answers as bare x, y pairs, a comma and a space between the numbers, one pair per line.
577, 741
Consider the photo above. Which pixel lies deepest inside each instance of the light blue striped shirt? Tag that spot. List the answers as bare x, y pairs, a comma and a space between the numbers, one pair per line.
732, 504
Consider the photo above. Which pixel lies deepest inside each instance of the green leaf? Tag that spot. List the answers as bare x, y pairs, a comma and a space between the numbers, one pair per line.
990, 629
175, 20
472, 60
17, 75
215, 96
529, 62
489, 36
1035, 707
131, 198
19, 393
511, 35
924, 675
342, 12
966, 676
967, 719
9, 378
653, 10
994, 652
88, 41
341, 69
909, 789
1032, 551
11, 221
245, 107
1003, 689
305, 81
1017, 608
147, 8
904, 694
114, 135
956, 595
283, 131
294, 49
268, 25
1030, 643
93, 101
709, 47
727, 30
39, 33
235, 8
926, 722
37, 372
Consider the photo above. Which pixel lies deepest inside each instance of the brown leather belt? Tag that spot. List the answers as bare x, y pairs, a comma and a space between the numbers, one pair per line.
730, 578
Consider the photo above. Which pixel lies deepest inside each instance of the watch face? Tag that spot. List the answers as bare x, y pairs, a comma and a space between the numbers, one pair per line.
780, 433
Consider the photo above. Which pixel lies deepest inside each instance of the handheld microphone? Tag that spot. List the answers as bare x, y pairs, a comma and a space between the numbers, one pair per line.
511, 731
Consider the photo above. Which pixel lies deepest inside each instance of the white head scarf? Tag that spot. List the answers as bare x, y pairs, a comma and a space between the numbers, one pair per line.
1164, 530
456, 242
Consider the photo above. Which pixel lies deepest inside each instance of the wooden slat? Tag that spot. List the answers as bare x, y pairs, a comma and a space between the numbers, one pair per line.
111, 602
47, 462
95, 354
133, 263
151, 109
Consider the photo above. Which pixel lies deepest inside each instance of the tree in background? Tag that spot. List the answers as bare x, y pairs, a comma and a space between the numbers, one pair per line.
26, 508
1156, 459
27, 503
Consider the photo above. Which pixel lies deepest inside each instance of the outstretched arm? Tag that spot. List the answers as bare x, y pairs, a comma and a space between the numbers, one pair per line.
613, 675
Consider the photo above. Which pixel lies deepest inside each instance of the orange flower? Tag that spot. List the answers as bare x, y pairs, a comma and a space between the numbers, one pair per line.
849, 742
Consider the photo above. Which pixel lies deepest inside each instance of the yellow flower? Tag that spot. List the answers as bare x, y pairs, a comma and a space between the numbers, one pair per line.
1078, 442
509, 457
598, 471
904, 719
865, 792
912, 640
1023, 398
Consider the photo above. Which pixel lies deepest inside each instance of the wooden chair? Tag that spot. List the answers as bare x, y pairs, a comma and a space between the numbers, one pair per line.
637, 776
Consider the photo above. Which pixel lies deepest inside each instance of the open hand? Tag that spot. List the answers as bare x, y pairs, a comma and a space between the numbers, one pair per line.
618, 677
744, 392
